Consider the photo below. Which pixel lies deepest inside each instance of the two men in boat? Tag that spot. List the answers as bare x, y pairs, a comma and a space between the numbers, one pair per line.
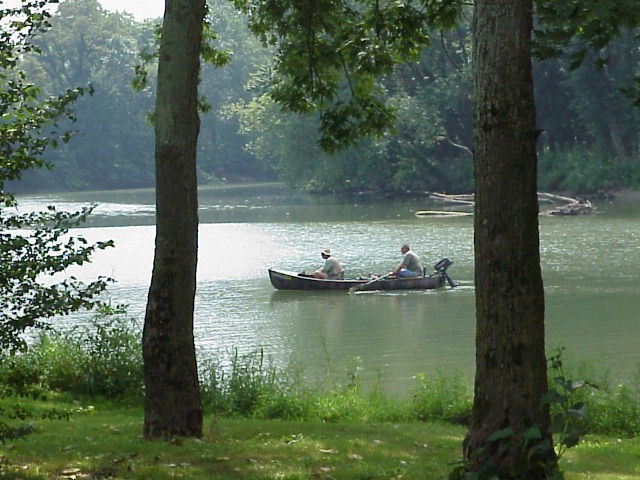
410, 266
331, 268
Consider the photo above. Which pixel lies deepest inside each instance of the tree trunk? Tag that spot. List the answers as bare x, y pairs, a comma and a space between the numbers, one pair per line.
172, 396
510, 352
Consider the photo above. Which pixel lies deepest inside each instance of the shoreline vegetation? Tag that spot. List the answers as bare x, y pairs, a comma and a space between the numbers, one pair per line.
77, 399
621, 194
441, 204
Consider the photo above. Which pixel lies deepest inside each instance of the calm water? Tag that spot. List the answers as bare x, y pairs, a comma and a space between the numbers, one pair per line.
590, 268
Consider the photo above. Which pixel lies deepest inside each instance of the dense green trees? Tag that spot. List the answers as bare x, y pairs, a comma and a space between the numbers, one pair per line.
35, 249
590, 137
417, 154
591, 57
589, 140
223, 152
114, 150
89, 46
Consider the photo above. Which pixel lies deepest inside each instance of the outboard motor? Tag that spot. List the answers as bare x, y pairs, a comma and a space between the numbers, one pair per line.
441, 267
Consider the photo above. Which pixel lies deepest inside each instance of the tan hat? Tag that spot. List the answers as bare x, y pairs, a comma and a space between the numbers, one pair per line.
326, 252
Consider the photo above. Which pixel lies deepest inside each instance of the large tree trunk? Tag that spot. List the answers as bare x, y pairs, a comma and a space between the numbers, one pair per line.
172, 396
510, 353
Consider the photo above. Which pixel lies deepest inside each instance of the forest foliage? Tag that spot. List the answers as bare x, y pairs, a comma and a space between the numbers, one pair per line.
590, 129
36, 249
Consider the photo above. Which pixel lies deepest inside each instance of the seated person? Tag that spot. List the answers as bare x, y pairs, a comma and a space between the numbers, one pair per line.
331, 269
410, 266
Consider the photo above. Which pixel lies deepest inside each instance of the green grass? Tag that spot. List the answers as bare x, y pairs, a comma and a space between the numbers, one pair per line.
264, 422
603, 458
105, 442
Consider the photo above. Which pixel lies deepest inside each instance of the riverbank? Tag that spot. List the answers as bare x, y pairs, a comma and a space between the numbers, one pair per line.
102, 440
626, 195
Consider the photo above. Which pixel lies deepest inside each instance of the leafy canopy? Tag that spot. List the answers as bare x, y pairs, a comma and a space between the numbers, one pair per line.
582, 26
329, 54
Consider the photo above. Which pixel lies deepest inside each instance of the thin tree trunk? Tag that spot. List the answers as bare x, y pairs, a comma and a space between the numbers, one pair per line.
510, 353
172, 397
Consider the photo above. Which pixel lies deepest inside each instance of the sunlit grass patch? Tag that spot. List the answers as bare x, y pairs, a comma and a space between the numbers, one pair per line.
603, 458
283, 449
106, 443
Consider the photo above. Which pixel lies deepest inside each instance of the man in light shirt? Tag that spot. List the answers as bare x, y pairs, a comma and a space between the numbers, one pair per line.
410, 266
331, 269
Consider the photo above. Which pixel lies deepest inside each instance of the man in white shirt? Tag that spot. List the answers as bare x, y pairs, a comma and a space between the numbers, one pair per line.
331, 269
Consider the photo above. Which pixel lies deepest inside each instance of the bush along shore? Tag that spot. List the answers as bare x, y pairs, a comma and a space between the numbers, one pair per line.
70, 408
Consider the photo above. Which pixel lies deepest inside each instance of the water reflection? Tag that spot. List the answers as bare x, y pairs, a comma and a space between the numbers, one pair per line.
394, 334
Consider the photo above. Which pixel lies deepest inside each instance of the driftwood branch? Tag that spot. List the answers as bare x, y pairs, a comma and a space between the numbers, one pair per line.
570, 206
466, 199
464, 148
553, 198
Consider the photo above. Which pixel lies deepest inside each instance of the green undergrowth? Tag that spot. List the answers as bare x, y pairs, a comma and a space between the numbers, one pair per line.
103, 359
70, 408
255, 387
103, 440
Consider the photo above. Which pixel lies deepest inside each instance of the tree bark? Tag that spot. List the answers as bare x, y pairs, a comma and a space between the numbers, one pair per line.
172, 405
510, 348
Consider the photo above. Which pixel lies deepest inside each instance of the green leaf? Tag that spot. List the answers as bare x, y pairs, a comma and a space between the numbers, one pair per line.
579, 411
552, 396
532, 433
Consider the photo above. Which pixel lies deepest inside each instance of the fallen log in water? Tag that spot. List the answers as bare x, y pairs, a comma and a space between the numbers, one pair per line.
441, 213
467, 198
572, 206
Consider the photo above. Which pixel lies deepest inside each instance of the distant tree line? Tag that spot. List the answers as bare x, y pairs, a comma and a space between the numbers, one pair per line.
590, 130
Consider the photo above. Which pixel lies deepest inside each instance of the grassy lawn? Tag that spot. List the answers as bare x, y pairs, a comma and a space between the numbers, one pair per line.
105, 442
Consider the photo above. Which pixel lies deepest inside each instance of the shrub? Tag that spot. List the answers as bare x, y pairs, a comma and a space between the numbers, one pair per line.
446, 398
20, 376
250, 386
585, 171
607, 410
103, 358
615, 413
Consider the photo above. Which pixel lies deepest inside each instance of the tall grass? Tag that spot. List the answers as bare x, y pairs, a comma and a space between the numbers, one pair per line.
442, 397
253, 386
611, 409
103, 358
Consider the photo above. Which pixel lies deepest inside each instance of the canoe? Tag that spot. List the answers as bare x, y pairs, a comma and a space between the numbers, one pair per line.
284, 280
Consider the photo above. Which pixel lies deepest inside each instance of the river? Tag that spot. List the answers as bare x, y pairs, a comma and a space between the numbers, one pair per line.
590, 270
